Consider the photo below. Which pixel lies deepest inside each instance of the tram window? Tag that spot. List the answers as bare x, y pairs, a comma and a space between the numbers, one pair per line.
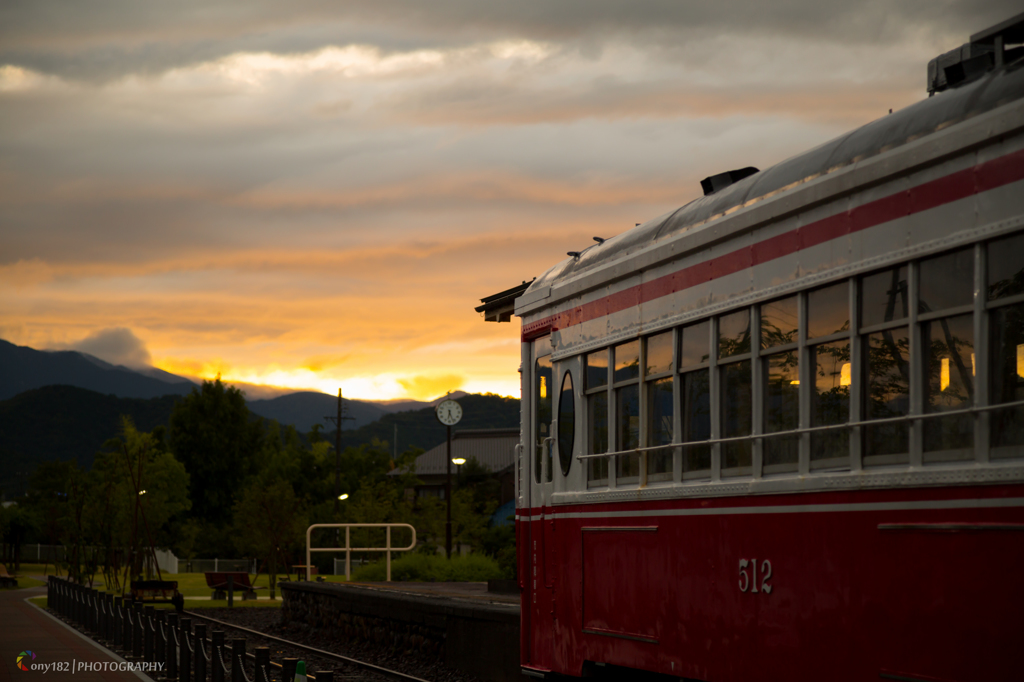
1006, 267
883, 297
543, 399
627, 361
659, 427
658, 358
946, 281
735, 408
887, 394
1006, 379
830, 402
695, 408
694, 349
781, 411
734, 334
597, 369
627, 422
566, 424
828, 311
597, 417
949, 385
627, 410
779, 322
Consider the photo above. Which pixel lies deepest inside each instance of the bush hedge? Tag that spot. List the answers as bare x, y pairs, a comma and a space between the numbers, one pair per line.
416, 567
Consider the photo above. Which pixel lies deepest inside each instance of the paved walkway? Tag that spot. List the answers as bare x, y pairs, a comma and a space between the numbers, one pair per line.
25, 627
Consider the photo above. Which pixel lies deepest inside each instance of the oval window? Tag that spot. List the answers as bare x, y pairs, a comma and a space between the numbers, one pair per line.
566, 424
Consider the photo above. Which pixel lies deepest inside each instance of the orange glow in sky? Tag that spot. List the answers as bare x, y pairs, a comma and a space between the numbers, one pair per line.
319, 199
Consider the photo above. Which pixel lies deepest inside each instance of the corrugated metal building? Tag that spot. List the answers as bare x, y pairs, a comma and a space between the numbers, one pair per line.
494, 449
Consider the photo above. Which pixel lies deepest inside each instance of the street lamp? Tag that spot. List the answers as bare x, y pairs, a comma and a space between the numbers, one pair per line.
343, 496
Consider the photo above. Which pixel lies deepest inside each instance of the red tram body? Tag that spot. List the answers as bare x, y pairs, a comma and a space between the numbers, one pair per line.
778, 434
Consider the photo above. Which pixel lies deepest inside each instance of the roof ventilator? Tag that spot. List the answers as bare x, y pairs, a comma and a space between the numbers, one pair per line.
987, 50
714, 183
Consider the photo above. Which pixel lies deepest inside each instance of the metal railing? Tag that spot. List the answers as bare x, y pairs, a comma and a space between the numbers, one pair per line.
865, 423
165, 641
348, 548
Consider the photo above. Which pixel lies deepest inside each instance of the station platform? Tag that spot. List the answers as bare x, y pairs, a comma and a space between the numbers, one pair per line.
462, 624
70, 655
475, 592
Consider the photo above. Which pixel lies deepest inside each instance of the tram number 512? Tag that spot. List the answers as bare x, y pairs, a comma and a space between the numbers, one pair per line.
749, 575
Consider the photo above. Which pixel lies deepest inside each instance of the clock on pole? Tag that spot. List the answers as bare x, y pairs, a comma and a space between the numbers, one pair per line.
449, 413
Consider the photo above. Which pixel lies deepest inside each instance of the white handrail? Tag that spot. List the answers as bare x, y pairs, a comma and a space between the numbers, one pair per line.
348, 548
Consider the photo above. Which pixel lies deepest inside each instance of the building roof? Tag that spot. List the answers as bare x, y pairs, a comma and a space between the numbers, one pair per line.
492, 448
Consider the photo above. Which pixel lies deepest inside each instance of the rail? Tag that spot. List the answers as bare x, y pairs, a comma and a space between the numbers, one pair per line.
808, 429
348, 548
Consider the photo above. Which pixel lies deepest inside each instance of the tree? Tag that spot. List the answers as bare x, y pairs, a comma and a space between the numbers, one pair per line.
212, 433
268, 524
128, 499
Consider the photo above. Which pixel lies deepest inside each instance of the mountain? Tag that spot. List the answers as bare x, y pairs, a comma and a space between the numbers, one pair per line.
23, 369
402, 405
66, 423
305, 408
420, 428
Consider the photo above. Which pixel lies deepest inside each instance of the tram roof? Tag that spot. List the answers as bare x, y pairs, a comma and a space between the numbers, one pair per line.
919, 120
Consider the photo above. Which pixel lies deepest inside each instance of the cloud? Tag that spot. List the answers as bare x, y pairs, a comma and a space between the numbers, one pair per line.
118, 346
430, 387
106, 40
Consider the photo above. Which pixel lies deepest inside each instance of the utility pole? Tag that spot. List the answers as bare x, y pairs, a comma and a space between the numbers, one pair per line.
337, 449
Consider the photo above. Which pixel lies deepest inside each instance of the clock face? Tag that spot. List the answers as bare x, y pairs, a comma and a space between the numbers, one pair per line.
449, 412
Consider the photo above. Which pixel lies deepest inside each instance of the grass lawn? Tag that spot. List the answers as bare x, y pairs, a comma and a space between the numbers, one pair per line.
191, 585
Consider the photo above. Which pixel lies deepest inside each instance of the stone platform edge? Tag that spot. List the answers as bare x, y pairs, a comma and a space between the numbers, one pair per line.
479, 638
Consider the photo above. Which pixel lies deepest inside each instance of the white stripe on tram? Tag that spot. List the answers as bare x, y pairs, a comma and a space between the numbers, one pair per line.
994, 503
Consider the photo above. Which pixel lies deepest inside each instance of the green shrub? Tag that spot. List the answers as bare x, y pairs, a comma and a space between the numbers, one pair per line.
416, 567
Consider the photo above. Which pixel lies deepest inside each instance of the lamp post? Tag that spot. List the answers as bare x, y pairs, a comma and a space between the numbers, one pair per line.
337, 450
449, 413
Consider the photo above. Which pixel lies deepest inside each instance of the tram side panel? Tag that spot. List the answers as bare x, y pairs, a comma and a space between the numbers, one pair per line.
834, 593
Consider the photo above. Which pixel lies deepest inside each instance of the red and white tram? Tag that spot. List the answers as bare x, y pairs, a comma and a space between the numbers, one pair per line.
778, 434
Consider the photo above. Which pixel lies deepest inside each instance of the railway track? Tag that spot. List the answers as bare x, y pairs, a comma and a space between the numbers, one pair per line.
370, 671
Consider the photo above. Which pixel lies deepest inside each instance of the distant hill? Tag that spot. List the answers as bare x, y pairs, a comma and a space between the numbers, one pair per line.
23, 369
420, 428
305, 408
68, 423
65, 423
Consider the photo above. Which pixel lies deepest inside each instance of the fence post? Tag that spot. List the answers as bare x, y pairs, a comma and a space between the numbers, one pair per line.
388, 552
138, 633
160, 634
118, 626
262, 671
237, 660
217, 656
128, 627
231, 591
147, 634
200, 652
184, 651
172, 646
288, 669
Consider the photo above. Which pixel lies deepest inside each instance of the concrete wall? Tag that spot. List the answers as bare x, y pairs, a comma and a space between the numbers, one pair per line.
481, 639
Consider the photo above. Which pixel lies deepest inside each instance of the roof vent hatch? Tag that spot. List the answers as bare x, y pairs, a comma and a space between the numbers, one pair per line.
714, 183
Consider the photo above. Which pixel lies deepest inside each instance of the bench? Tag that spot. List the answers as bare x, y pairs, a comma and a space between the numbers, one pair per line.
6, 579
162, 591
218, 582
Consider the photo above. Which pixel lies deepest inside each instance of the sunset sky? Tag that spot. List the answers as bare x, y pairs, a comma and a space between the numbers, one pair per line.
315, 194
